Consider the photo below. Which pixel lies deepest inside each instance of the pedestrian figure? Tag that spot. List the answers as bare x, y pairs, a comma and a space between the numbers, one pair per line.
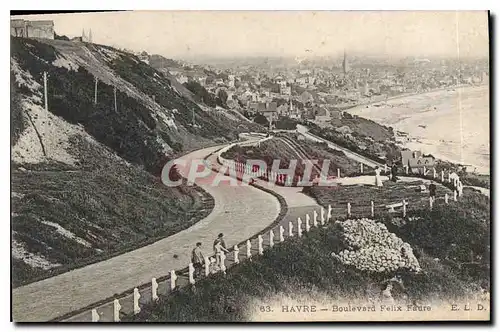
432, 191
378, 179
394, 172
197, 259
219, 246
460, 188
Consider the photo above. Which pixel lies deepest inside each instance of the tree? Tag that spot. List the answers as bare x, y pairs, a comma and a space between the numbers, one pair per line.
222, 95
261, 119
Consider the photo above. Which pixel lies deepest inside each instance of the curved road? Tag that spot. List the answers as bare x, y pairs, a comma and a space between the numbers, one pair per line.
235, 214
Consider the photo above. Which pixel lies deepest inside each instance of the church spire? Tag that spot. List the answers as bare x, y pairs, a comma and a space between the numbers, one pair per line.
345, 64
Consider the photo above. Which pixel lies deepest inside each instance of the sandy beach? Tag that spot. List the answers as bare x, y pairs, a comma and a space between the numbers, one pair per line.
451, 124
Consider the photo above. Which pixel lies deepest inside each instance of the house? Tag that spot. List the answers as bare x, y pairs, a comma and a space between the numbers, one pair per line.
270, 111
416, 161
182, 79
306, 97
32, 29
279, 80
321, 113
301, 80
285, 90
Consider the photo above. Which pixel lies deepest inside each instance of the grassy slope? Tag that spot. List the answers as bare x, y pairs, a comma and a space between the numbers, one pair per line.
276, 149
113, 206
110, 204
301, 265
360, 196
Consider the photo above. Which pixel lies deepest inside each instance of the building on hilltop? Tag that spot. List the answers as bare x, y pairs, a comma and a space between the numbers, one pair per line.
416, 161
32, 29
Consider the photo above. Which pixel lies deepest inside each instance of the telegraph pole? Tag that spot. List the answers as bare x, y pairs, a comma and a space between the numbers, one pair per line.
116, 107
45, 90
95, 95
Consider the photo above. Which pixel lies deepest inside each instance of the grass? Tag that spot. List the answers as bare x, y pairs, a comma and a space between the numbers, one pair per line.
113, 206
299, 266
360, 196
276, 149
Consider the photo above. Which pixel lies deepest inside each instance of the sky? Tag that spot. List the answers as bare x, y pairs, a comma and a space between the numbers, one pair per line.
179, 34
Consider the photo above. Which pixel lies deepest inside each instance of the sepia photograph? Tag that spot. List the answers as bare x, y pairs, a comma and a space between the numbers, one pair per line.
173, 166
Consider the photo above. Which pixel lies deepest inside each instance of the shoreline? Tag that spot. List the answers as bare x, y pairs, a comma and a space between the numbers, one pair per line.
413, 143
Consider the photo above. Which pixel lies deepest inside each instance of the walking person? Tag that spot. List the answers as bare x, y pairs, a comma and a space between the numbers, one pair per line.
460, 188
432, 191
378, 179
394, 172
219, 247
197, 259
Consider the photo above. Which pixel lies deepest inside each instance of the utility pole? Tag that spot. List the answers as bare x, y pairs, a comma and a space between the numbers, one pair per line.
45, 90
116, 107
95, 95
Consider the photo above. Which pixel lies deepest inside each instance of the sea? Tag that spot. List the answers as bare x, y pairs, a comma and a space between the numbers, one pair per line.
451, 124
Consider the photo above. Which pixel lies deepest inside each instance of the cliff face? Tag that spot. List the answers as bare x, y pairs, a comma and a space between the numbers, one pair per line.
85, 173
152, 119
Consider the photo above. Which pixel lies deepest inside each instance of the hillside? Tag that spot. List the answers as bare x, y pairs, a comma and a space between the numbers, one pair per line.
85, 176
450, 243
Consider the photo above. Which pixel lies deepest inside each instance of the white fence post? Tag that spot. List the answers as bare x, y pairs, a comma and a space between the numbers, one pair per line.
260, 241
299, 227
173, 278
154, 289
446, 198
249, 249
116, 310
308, 224
404, 208
191, 274
290, 229
329, 216
207, 266
95, 316
361, 166
442, 176
424, 170
449, 176
315, 218
338, 173
137, 296
348, 209
430, 202
322, 216
372, 209
271, 238
282, 231
236, 254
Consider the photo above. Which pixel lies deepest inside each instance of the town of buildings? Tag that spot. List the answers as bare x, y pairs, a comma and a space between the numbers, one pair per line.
317, 90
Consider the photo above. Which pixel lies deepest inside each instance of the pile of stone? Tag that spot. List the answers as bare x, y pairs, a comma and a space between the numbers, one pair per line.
371, 247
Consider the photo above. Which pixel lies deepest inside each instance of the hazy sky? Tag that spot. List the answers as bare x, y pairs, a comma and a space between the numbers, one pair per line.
290, 33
